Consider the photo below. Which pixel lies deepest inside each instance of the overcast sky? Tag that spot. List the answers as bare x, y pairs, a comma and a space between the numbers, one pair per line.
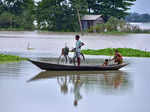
141, 6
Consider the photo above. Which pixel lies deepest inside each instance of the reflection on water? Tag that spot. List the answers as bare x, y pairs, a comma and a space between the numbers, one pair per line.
91, 91
110, 82
22, 90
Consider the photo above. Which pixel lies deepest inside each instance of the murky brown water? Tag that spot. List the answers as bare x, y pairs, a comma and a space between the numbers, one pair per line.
145, 26
52, 43
26, 88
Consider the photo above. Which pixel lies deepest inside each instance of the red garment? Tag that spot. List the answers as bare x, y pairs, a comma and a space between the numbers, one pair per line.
118, 57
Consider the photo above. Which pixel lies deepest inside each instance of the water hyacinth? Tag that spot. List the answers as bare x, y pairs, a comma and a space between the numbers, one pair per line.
128, 52
4, 57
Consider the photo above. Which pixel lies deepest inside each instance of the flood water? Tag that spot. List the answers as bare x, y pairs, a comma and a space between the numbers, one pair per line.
26, 88
52, 43
144, 26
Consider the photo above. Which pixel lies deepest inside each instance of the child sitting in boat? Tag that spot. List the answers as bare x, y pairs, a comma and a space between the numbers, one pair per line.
105, 62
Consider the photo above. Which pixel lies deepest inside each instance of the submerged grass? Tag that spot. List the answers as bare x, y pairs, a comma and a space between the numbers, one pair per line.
4, 57
127, 52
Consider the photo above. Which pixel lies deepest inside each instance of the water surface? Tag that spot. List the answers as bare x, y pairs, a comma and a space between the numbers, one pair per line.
24, 87
35, 42
145, 26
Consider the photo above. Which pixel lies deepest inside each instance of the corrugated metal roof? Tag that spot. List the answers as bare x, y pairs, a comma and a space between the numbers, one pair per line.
90, 17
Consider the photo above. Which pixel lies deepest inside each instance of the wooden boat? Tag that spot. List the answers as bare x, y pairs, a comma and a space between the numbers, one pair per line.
58, 67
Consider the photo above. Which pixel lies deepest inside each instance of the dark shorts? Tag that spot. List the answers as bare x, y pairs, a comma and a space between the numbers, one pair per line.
77, 54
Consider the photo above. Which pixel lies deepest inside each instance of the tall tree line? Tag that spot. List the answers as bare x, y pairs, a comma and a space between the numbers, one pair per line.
59, 15
16, 14
135, 17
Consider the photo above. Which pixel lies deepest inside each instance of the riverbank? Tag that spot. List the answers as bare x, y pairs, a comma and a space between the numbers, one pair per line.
74, 33
127, 52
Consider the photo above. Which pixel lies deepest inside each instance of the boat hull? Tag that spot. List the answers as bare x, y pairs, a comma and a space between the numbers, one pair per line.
54, 67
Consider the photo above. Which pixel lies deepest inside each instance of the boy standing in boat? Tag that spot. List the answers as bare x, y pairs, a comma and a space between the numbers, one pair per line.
78, 46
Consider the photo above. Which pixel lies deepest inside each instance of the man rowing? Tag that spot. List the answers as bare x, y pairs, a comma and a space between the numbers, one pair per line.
118, 57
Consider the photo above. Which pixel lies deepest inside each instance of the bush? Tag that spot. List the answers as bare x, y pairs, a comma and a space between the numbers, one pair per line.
116, 25
7, 20
113, 24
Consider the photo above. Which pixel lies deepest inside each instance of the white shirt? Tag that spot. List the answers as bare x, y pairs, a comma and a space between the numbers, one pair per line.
78, 44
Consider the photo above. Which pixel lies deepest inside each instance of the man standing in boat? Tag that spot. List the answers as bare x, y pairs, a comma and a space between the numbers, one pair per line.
78, 46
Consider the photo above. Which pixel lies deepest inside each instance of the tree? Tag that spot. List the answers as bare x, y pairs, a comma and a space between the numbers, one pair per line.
1, 7
108, 8
79, 6
135, 17
48, 13
58, 15
6, 20
20, 12
145, 17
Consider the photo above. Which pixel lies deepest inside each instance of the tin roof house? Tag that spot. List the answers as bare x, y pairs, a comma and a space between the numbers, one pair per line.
91, 20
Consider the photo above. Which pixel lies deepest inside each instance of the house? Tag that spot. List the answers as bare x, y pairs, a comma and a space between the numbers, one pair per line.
91, 20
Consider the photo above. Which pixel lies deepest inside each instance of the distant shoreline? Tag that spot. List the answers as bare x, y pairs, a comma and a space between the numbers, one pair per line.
117, 33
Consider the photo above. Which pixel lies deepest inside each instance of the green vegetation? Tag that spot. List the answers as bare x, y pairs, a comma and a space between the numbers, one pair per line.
4, 57
17, 14
116, 26
61, 15
128, 52
110, 8
57, 15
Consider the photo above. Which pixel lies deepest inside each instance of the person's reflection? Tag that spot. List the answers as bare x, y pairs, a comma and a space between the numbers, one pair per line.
62, 81
117, 80
77, 83
77, 86
113, 79
110, 81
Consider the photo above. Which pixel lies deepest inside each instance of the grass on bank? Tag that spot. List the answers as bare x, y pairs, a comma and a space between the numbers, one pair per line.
127, 52
4, 57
